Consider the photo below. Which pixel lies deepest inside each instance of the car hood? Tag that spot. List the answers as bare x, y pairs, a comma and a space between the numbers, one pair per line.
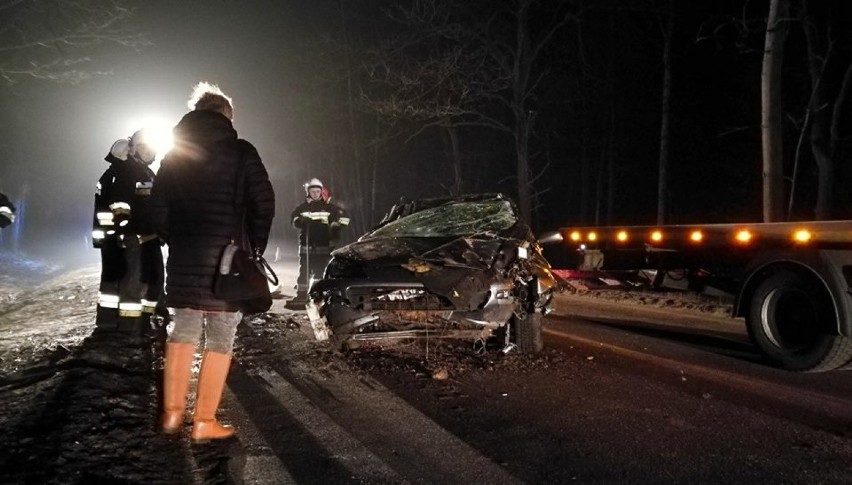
475, 252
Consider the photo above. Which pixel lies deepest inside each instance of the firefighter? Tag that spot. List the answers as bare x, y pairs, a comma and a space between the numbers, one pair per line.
7, 211
131, 258
319, 223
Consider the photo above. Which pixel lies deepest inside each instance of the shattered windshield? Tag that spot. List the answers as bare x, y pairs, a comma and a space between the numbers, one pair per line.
457, 219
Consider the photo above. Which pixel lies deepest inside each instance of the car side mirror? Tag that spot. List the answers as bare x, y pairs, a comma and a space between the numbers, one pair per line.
550, 237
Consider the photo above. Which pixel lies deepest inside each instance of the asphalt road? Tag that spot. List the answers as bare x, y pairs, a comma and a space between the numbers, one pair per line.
707, 349
622, 394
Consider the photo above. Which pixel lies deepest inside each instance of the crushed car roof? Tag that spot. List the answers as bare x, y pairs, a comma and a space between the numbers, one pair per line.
407, 207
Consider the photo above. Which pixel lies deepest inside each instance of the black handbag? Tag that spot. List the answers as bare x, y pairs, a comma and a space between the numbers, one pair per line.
244, 280
240, 277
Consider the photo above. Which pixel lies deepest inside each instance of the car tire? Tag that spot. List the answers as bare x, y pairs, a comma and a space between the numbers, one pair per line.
527, 331
790, 320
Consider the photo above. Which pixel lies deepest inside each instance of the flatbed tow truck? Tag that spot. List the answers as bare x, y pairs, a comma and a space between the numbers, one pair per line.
790, 281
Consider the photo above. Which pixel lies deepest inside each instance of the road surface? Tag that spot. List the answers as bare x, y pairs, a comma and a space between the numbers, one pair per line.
622, 394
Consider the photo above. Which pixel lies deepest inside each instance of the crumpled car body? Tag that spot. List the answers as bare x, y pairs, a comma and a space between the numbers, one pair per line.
464, 267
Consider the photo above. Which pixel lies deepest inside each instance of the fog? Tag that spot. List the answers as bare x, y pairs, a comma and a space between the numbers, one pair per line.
53, 137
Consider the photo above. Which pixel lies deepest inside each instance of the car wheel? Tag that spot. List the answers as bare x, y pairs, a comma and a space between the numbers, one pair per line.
790, 319
527, 330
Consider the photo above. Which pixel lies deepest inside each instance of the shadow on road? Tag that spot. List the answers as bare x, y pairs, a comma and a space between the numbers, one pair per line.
91, 417
718, 343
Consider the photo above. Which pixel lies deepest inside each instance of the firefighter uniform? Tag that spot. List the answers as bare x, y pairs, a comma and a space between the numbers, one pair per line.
131, 258
7, 211
319, 223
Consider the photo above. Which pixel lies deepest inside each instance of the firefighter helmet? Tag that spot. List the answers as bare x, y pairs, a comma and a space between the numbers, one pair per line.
120, 149
141, 147
312, 183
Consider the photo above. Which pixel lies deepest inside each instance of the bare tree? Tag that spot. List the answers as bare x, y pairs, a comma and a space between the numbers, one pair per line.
772, 110
829, 97
55, 39
340, 141
483, 69
415, 92
662, 184
426, 77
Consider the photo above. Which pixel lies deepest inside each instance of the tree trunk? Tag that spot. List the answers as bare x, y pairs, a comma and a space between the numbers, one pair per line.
374, 190
772, 110
454, 156
523, 118
610, 185
585, 183
843, 201
360, 224
663, 174
599, 187
521, 150
823, 130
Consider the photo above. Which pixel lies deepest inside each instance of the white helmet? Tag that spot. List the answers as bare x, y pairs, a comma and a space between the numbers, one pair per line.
120, 149
141, 148
314, 182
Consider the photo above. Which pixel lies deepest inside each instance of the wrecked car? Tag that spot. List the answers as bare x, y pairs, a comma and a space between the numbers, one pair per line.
463, 268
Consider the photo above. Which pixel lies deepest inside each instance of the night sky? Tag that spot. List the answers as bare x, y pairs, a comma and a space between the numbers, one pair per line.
283, 63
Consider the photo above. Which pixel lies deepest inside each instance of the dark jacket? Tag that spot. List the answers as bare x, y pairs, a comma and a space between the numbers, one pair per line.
122, 201
319, 222
7, 211
195, 205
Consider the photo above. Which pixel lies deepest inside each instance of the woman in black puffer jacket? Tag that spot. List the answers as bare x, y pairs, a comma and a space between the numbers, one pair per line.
198, 209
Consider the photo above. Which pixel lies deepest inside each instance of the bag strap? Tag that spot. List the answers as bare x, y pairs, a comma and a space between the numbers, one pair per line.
239, 231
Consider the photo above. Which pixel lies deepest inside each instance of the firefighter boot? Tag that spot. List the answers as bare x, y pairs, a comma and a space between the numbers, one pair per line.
211, 383
106, 318
176, 374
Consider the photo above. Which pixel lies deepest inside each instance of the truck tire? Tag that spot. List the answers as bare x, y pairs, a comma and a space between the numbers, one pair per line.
792, 321
528, 336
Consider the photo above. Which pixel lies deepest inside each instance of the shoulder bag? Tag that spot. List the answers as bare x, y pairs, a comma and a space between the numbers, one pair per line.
242, 278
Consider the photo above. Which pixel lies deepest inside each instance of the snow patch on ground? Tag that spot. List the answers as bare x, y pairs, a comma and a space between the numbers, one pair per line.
42, 311
716, 305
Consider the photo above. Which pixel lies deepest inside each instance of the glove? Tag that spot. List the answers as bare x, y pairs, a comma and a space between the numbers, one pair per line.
128, 240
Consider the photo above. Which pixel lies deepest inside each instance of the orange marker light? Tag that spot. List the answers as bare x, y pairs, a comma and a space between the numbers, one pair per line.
696, 236
575, 236
621, 236
657, 236
744, 236
593, 236
802, 236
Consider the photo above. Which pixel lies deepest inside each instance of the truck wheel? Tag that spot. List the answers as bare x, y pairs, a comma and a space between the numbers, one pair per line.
527, 331
791, 320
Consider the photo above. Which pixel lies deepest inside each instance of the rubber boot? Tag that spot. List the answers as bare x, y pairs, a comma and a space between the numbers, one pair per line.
178, 370
211, 383
106, 318
129, 327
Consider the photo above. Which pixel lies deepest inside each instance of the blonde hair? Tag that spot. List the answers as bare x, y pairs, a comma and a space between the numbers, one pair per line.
208, 96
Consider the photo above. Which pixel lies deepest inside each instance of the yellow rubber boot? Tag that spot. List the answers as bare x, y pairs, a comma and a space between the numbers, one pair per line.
211, 384
178, 370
